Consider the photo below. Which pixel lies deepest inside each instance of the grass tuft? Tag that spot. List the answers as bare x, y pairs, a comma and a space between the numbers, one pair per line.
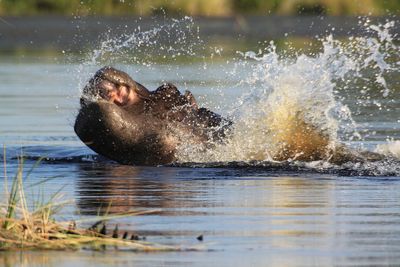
22, 228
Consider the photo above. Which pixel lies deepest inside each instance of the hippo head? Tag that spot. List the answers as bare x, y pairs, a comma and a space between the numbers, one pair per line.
112, 121
123, 121
114, 86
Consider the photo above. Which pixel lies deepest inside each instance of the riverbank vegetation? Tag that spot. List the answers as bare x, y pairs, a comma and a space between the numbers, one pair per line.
29, 223
198, 7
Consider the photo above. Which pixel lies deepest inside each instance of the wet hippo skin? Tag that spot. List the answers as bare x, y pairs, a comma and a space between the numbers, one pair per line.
143, 133
121, 136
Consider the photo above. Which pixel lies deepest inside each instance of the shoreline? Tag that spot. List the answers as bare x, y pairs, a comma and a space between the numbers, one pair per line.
76, 34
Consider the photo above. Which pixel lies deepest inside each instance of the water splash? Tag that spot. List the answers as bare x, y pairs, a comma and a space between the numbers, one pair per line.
391, 148
294, 108
167, 41
172, 38
293, 111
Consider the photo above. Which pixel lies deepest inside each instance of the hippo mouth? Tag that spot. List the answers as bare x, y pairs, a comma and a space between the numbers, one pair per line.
120, 78
114, 86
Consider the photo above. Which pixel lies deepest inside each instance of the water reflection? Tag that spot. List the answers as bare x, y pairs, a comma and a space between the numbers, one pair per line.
276, 218
10, 259
117, 189
305, 219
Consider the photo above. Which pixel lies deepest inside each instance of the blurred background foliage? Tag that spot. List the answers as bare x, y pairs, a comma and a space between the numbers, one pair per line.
198, 7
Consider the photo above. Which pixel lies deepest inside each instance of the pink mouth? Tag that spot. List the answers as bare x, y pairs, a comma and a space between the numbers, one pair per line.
118, 95
105, 89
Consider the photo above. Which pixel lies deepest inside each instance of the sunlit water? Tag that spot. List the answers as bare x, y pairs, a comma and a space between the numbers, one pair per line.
250, 209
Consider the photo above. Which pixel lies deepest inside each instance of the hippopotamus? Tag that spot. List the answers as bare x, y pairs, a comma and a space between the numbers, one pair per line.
122, 120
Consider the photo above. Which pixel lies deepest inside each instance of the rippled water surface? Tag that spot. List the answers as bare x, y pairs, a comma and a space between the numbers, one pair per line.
249, 214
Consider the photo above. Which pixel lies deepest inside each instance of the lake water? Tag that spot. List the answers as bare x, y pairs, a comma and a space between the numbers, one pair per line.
251, 211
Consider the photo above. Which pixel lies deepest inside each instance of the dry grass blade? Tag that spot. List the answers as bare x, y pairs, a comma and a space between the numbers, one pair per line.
21, 228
